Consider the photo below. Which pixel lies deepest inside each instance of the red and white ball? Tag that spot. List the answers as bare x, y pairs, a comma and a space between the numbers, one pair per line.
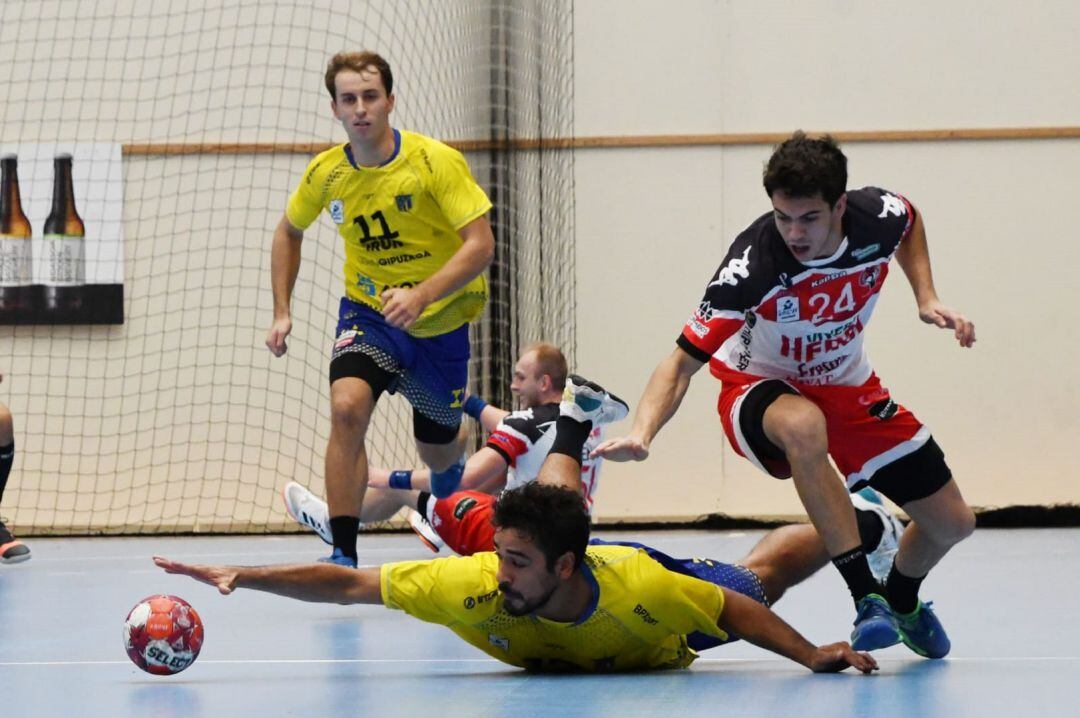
163, 634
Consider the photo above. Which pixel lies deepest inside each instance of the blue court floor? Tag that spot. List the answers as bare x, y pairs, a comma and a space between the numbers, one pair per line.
1007, 597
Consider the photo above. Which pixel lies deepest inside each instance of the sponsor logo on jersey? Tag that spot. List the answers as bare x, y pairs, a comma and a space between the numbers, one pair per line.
705, 311
499, 641
870, 276
337, 211
472, 602
348, 337
809, 373
365, 285
827, 278
736, 269
805, 348
404, 202
864, 252
746, 335
884, 409
463, 507
787, 309
640, 610
402, 258
697, 327
891, 204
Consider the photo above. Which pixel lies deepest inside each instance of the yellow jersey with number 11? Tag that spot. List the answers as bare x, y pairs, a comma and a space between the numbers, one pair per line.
399, 220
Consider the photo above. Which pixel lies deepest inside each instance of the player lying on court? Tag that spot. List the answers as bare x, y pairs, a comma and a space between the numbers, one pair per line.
512, 456
545, 599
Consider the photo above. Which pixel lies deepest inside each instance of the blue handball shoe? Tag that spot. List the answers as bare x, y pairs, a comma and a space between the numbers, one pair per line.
875, 625
338, 557
922, 632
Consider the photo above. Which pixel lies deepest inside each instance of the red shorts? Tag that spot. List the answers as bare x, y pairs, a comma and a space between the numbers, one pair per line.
867, 430
463, 521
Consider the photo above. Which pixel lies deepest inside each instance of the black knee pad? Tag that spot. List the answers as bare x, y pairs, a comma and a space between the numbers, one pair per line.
362, 366
915, 476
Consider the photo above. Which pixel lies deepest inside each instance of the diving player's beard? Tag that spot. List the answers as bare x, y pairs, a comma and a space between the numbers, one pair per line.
516, 605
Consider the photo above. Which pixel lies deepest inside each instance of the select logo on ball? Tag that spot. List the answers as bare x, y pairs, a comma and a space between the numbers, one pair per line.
163, 634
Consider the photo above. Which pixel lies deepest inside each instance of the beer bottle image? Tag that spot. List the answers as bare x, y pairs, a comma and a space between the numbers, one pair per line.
64, 246
16, 293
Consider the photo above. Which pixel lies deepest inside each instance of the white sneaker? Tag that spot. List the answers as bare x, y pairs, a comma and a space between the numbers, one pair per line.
584, 400
308, 510
881, 558
425, 532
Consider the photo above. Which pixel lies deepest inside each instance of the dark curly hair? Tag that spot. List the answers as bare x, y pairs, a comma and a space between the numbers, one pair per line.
804, 167
555, 518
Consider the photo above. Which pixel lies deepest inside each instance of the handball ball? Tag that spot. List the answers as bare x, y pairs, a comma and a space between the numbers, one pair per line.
163, 635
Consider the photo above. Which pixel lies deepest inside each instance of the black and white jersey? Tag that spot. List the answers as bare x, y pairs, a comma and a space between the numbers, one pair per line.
765, 314
524, 439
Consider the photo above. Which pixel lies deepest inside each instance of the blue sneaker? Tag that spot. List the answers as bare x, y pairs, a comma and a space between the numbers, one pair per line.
875, 625
338, 557
922, 632
447, 481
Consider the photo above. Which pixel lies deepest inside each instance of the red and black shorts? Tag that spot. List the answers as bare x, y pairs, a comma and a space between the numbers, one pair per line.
873, 439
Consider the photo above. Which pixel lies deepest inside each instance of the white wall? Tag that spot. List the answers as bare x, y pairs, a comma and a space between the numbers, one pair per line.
652, 224
997, 212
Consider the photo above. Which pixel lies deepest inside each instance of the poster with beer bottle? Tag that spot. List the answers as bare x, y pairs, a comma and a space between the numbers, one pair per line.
16, 300
61, 234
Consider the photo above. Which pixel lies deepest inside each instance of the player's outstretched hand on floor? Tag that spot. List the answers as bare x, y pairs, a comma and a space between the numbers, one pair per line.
836, 657
221, 577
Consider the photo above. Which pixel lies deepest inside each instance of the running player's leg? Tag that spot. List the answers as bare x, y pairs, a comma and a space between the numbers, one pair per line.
922, 485
363, 365
434, 383
791, 554
352, 401
785, 434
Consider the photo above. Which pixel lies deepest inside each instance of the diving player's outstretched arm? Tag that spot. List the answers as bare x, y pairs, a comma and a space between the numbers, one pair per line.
753, 622
315, 582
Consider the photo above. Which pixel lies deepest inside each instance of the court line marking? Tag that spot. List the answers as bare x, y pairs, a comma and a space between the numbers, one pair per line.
324, 661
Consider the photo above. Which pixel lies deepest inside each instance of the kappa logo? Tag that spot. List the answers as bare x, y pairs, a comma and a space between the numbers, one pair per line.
736, 269
891, 204
455, 403
404, 202
337, 211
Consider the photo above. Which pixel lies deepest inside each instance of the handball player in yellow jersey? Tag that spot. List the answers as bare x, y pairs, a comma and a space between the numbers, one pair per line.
417, 242
545, 599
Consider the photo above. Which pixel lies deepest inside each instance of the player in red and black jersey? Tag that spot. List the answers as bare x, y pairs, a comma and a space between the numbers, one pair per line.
781, 325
